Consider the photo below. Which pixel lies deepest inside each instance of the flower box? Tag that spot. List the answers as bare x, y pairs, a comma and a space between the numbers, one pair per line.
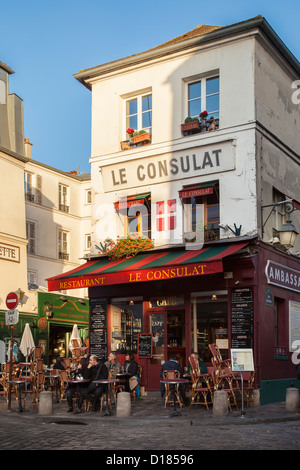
143, 138
190, 126
125, 145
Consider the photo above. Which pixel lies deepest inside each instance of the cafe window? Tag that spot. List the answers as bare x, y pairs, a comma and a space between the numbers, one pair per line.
126, 324
209, 321
202, 209
135, 213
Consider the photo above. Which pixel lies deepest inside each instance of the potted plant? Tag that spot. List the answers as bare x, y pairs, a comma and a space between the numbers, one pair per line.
203, 117
128, 247
190, 124
138, 137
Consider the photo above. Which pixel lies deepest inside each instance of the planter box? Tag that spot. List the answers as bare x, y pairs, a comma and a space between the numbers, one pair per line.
190, 126
144, 138
125, 145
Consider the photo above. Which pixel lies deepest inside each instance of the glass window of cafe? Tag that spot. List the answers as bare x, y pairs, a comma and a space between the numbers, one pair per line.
209, 323
126, 324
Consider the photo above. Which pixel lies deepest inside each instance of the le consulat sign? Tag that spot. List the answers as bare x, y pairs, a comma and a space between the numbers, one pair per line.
197, 161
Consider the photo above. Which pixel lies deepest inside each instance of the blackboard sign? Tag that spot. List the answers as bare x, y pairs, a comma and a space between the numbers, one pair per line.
145, 345
242, 318
98, 328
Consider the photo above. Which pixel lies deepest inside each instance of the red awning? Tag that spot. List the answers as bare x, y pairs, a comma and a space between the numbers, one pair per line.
129, 201
194, 191
148, 266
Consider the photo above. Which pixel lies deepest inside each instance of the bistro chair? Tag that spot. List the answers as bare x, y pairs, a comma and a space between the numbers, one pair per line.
193, 360
227, 383
171, 389
202, 387
63, 376
217, 360
136, 390
38, 385
248, 387
37, 353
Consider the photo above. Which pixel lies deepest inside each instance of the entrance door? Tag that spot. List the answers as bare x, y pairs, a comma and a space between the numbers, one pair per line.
168, 329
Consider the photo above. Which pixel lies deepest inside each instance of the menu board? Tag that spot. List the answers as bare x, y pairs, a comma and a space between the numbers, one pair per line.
242, 318
98, 328
145, 345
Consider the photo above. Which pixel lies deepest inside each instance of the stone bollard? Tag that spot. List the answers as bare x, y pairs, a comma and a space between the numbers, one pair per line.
256, 397
292, 399
45, 403
123, 405
220, 403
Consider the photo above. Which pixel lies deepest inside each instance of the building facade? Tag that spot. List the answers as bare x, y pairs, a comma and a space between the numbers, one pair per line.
44, 229
212, 192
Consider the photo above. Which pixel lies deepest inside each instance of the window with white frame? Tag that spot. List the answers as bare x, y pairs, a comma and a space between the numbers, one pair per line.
63, 245
204, 95
32, 277
63, 197
29, 196
88, 196
88, 241
279, 214
31, 233
139, 113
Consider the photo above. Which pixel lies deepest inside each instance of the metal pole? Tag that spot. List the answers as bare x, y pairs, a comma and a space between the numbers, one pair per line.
10, 367
242, 386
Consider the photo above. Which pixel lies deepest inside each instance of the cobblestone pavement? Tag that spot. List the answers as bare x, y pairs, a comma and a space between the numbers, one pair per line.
150, 428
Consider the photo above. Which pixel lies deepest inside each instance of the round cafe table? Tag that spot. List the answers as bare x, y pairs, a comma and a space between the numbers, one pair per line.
175, 382
107, 411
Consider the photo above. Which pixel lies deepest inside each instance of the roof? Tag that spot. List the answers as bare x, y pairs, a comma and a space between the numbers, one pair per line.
200, 35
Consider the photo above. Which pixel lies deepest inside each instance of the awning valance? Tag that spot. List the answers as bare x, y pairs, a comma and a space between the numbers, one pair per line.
149, 266
196, 190
129, 201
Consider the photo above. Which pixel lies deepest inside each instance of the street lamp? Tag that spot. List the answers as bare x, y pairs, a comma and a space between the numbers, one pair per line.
287, 232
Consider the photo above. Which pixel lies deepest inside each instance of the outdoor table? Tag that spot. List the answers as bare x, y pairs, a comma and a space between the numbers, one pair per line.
124, 378
107, 411
175, 382
19, 384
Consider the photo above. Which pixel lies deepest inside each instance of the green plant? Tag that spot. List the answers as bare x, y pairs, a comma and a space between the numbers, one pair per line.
190, 119
128, 247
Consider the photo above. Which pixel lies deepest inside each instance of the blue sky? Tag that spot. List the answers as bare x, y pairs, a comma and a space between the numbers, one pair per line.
46, 42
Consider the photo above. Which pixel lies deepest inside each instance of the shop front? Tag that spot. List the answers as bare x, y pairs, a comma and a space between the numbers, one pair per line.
171, 304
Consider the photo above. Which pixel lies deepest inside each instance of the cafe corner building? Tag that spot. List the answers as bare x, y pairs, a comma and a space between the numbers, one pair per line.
213, 182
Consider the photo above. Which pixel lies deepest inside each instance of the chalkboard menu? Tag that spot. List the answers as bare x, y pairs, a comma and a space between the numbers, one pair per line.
242, 318
145, 345
98, 328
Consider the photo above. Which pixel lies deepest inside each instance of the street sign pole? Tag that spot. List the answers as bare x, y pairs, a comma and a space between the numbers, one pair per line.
10, 367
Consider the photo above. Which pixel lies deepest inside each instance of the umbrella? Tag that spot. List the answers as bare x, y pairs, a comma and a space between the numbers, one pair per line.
27, 342
74, 335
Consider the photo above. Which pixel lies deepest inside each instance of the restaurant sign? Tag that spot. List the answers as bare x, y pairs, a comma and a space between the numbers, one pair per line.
283, 276
142, 275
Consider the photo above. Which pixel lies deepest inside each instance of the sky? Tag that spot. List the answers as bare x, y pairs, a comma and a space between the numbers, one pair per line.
46, 43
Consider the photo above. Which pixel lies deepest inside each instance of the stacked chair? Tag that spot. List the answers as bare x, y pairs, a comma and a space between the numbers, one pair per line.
202, 385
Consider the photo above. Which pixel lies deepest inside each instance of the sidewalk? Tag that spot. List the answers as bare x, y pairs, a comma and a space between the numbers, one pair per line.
150, 409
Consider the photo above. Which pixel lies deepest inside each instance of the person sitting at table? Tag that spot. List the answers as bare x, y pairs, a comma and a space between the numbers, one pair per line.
173, 364
59, 363
113, 363
80, 371
131, 368
202, 365
97, 371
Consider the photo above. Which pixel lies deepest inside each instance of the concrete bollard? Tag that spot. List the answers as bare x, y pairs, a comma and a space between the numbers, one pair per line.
45, 403
292, 399
220, 403
256, 397
123, 409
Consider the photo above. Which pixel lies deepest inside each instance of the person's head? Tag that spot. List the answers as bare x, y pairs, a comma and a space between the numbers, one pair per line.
174, 357
194, 354
83, 362
94, 360
129, 356
112, 357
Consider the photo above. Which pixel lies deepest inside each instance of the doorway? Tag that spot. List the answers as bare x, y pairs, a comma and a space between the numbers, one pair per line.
169, 338
59, 338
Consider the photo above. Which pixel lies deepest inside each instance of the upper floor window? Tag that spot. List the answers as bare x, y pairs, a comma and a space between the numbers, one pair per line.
279, 215
139, 113
202, 209
29, 196
63, 245
31, 237
136, 215
88, 196
63, 198
204, 95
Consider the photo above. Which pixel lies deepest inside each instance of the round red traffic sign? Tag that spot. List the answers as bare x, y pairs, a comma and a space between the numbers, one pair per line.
12, 300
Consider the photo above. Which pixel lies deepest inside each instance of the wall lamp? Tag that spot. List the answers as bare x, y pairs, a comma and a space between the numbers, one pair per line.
287, 232
64, 298
81, 301
48, 309
236, 231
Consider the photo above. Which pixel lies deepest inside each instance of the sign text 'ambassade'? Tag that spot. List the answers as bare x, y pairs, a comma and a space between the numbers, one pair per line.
283, 276
142, 275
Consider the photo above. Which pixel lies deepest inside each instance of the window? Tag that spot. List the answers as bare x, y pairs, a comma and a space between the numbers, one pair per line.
63, 198
279, 215
88, 242
31, 237
203, 95
126, 324
32, 277
280, 329
63, 245
166, 215
136, 215
202, 209
29, 196
88, 196
139, 113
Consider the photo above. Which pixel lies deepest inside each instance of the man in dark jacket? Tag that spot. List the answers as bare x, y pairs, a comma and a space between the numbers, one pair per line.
93, 391
173, 364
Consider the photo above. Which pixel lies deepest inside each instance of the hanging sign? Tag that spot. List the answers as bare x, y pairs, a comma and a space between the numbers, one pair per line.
11, 317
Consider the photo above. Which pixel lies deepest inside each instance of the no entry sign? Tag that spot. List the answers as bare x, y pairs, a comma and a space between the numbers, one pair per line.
12, 300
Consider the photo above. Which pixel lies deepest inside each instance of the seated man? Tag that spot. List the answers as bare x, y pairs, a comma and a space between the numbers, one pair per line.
173, 364
93, 391
113, 363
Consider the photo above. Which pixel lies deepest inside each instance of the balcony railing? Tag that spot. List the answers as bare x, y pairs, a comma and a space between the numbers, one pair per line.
29, 197
62, 255
63, 208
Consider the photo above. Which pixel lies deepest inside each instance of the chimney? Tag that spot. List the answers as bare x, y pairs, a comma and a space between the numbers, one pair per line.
28, 146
